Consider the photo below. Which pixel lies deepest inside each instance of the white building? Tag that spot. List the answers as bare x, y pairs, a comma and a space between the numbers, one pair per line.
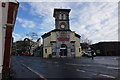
8, 11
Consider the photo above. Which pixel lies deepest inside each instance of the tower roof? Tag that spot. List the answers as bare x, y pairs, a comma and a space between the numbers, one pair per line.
68, 10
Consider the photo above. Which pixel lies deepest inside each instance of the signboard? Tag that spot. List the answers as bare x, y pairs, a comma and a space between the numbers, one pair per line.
63, 39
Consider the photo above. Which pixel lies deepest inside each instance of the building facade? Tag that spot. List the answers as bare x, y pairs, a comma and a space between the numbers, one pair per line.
25, 47
8, 12
107, 48
61, 42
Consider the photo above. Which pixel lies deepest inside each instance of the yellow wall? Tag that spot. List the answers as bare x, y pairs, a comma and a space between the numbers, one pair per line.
72, 35
46, 45
77, 43
45, 55
53, 36
47, 41
77, 46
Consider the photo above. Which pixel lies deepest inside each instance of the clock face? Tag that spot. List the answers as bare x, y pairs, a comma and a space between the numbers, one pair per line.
62, 26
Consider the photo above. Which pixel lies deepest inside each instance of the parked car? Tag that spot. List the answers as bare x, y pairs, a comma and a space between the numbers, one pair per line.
88, 54
83, 53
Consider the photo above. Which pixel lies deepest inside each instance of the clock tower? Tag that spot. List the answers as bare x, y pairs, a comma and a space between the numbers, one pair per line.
61, 41
61, 19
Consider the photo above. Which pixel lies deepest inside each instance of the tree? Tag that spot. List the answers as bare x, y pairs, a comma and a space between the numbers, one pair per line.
32, 38
84, 39
85, 43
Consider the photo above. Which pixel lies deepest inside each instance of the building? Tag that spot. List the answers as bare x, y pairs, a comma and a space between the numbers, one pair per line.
84, 47
38, 51
25, 47
61, 42
8, 12
107, 48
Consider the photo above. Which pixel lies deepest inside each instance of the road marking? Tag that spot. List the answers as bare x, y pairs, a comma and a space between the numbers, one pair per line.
106, 76
55, 62
78, 64
113, 67
42, 77
80, 70
71, 64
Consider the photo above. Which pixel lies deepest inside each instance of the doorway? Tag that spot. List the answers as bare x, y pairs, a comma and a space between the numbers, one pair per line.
63, 50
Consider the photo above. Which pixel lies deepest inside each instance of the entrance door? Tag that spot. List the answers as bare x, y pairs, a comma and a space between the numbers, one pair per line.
63, 50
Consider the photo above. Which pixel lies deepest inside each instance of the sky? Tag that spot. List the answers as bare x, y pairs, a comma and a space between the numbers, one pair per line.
97, 21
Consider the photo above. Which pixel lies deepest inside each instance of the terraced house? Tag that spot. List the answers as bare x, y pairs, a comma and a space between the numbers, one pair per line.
61, 42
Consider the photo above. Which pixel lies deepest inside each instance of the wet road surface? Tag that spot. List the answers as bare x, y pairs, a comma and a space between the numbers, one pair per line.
36, 67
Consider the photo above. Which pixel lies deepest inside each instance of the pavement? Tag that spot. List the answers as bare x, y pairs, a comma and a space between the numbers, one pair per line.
105, 67
0, 75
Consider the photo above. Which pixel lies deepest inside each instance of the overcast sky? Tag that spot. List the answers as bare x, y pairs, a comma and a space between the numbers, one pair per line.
98, 21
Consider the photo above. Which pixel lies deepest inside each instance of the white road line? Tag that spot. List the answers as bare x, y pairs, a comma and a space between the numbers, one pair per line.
55, 62
113, 67
78, 64
29, 68
71, 64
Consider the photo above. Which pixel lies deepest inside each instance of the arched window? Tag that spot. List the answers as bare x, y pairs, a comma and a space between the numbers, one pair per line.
64, 16
60, 16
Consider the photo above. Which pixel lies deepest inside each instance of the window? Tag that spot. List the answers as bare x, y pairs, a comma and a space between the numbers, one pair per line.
60, 16
71, 50
79, 49
45, 50
64, 16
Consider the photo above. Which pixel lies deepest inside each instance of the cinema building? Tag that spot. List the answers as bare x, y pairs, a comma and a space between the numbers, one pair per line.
61, 42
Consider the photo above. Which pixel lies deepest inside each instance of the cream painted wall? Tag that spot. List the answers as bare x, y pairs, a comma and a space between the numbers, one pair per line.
77, 43
72, 35
77, 46
45, 55
2, 27
46, 45
53, 36
3, 21
47, 41
1, 59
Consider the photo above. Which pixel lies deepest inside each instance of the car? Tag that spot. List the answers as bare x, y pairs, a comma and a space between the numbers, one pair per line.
83, 53
89, 54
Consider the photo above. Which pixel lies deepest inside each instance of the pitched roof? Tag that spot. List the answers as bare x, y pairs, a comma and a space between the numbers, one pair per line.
49, 33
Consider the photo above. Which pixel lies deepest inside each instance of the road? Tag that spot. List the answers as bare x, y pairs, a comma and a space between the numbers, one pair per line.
36, 67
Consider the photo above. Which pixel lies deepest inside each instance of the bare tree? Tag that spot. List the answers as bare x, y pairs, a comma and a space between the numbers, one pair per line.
33, 37
84, 39
85, 43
